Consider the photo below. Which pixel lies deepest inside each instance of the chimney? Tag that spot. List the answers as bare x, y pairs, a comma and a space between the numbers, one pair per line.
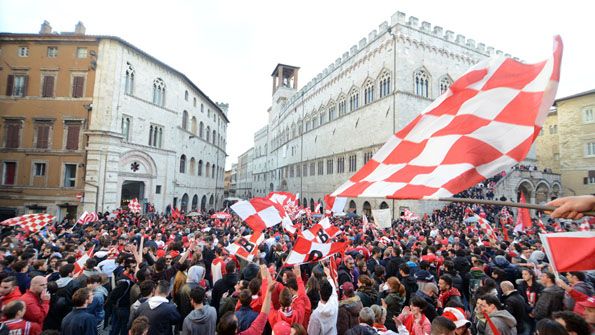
46, 29
79, 29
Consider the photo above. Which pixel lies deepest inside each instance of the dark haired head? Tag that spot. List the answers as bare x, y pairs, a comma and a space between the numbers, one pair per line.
573, 322
550, 327
326, 290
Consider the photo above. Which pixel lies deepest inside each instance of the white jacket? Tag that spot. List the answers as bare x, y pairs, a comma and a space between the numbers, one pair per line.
323, 320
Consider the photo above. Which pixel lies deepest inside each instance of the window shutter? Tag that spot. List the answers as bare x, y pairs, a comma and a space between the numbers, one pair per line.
48, 86
25, 84
10, 173
77, 86
12, 135
9, 84
43, 132
72, 140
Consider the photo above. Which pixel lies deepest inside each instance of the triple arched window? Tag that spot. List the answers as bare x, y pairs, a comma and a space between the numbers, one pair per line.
422, 83
159, 92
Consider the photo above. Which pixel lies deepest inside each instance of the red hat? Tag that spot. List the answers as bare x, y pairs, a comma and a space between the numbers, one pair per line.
281, 328
589, 303
160, 253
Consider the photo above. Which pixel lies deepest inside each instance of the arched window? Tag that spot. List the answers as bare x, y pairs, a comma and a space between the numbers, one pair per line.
445, 83
213, 171
384, 84
126, 128
129, 85
208, 169
194, 104
322, 117
368, 92
214, 137
353, 100
186, 95
342, 106
422, 83
200, 167
201, 129
151, 134
194, 125
183, 164
208, 134
314, 121
185, 120
195, 202
184, 204
192, 166
308, 124
160, 138
159, 92
332, 111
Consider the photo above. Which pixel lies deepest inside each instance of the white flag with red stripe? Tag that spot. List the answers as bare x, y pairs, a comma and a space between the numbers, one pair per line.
321, 232
483, 124
334, 204
87, 217
246, 246
574, 251
79, 265
305, 251
259, 213
134, 206
31, 223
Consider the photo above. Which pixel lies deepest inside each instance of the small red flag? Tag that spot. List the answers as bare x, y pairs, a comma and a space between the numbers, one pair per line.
574, 251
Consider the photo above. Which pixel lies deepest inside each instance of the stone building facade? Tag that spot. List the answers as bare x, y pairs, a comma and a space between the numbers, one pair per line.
244, 187
153, 135
567, 143
46, 90
320, 135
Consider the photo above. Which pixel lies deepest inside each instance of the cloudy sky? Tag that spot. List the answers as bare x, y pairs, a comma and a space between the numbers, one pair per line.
230, 47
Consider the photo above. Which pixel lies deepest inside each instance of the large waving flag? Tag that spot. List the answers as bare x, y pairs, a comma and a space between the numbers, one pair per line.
134, 206
87, 217
282, 198
484, 123
31, 223
246, 246
321, 232
334, 204
573, 251
79, 265
260, 213
305, 251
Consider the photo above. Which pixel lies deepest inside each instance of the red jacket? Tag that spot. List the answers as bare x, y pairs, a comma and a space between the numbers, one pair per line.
14, 295
300, 309
37, 309
23, 327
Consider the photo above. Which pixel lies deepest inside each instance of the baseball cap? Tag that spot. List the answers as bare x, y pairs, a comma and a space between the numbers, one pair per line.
589, 303
424, 275
281, 328
456, 315
347, 287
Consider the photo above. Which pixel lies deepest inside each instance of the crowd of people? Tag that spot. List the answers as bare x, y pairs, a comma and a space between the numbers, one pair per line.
155, 274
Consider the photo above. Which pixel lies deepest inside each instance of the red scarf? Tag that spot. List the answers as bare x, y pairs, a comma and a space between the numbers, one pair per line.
411, 319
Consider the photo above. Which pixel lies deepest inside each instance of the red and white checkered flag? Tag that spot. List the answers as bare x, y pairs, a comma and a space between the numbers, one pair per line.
31, 223
246, 246
282, 198
334, 204
88, 217
485, 123
321, 232
79, 265
487, 228
259, 213
134, 206
305, 251
409, 215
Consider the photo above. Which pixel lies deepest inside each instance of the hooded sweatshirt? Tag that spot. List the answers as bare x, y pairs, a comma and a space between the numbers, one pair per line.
201, 321
323, 320
503, 321
161, 314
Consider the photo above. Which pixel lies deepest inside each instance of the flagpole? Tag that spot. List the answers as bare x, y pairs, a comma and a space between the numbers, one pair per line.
507, 203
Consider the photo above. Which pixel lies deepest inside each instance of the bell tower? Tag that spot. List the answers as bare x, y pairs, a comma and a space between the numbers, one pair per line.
285, 76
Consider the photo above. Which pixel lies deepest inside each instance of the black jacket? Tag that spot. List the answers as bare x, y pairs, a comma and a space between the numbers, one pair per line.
161, 318
344, 275
410, 287
225, 284
516, 305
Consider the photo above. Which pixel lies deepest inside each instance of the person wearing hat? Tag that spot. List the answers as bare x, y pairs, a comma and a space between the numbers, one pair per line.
589, 312
457, 315
349, 308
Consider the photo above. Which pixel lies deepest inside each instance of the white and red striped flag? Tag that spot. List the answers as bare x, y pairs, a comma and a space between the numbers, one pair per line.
79, 265
259, 213
246, 246
31, 223
574, 251
334, 204
321, 232
87, 217
305, 251
134, 206
483, 124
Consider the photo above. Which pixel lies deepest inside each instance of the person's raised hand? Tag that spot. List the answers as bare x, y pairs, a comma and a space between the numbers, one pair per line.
45, 295
572, 207
297, 271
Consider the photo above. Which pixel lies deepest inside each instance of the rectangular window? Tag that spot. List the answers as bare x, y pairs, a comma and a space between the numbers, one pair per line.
47, 87
39, 169
69, 175
367, 157
10, 170
329, 166
352, 163
16, 85
23, 52
588, 115
52, 52
298, 171
72, 135
340, 164
305, 170
312, 169
13, 134
78, 85
591, 149
81, 52
320, 168
291, 172
43, 135
158, 189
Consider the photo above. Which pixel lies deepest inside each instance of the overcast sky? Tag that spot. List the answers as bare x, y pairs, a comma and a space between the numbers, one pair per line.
229, 48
